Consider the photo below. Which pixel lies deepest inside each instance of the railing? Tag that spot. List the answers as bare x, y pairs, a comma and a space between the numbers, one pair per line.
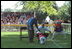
16, 27
24, 25
67, 27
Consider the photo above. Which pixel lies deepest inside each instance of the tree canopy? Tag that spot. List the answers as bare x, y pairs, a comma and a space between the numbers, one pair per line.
65, 11
43, 6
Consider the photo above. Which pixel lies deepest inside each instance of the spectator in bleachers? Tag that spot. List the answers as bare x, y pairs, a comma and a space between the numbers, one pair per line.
13, 18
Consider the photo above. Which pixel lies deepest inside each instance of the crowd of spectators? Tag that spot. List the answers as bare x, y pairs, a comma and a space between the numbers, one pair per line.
13, 18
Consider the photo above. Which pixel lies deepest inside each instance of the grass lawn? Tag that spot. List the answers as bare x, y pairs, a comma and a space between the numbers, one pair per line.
12, 40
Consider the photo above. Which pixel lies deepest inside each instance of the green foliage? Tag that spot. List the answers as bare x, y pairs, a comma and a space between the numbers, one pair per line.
41, 16
65, 11
49, 7
44, 6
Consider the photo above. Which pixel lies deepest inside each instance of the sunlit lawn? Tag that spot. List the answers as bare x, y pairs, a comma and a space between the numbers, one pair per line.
12, 40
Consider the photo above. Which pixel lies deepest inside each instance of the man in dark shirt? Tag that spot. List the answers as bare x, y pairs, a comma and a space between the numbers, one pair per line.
31, 21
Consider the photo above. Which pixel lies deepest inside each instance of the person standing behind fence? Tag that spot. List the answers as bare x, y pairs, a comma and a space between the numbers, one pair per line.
31, 21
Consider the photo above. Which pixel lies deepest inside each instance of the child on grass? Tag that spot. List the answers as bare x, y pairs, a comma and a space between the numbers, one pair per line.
42, 34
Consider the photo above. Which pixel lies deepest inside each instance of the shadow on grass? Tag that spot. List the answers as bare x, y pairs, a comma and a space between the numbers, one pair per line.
13, 41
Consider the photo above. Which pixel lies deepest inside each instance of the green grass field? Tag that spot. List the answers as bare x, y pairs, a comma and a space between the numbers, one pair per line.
12, 40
